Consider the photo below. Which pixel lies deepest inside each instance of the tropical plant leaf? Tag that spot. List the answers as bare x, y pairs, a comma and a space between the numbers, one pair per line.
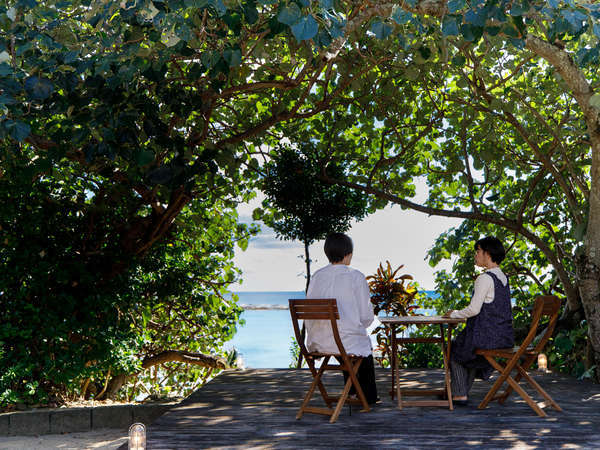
306, 28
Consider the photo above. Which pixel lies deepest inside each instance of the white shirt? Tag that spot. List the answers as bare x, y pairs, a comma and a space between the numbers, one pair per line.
482, 293
349, 287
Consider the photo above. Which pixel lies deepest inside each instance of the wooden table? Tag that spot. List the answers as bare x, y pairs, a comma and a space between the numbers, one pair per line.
444, 339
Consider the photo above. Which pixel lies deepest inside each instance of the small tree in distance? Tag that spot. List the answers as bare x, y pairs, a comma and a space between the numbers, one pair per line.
298, 206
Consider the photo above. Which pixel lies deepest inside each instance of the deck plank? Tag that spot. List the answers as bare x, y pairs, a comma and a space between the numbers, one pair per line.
257, 409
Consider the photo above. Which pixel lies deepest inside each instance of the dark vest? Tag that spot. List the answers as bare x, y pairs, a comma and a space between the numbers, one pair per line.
491, 328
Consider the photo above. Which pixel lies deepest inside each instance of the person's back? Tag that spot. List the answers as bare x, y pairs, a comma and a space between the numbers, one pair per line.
349, 287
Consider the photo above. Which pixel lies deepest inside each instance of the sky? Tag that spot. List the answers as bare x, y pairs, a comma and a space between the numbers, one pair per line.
400, 236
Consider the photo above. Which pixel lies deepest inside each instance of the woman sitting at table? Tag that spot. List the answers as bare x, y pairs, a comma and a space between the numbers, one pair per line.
489, 321
350, 289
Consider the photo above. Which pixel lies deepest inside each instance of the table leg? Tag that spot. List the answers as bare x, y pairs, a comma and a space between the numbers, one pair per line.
393, 360
447, 367
398, 393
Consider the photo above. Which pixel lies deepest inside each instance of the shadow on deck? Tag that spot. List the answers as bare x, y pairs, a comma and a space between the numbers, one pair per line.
257, 408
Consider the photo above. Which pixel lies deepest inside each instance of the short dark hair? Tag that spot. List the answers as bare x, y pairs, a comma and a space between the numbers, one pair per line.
493, 246
337, 246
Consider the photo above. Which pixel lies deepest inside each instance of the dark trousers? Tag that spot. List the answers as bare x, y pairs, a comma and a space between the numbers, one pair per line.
461, 378
366, 379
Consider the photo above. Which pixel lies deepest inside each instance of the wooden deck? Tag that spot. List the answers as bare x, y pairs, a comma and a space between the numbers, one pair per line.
257, 409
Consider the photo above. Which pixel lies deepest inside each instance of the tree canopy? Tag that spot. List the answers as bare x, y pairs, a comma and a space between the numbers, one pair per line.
300, 206
123, 123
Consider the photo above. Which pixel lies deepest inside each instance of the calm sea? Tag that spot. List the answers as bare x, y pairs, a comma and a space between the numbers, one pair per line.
265, 339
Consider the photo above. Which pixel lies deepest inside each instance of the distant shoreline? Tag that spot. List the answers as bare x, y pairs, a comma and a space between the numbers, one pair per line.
263, 307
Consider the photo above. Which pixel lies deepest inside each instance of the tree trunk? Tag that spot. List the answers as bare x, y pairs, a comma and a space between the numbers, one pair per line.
307, 261
588, 264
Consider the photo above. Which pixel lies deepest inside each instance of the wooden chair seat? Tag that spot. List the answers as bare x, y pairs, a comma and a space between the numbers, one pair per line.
326, 309
318, 355
504, 352
520, 359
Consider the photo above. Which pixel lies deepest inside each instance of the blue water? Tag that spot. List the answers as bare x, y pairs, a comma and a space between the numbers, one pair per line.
265, 339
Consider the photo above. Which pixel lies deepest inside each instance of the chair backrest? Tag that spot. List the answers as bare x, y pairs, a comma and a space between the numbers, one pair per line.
545, 306
315, 309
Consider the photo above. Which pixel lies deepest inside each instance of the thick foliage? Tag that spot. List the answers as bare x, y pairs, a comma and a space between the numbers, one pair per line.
302, 207
68, 318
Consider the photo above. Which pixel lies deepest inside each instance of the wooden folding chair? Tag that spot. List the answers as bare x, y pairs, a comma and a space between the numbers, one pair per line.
326, 309
520, 358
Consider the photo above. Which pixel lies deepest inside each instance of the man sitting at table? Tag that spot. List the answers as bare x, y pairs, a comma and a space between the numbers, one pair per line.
489, 321
349, 287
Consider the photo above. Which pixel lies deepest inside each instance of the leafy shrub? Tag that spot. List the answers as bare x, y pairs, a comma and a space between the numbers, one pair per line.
391, 294
80, 311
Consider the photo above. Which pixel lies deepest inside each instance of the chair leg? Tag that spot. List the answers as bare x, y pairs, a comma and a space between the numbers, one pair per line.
316, 382
537, 387
322, 389
526, 363
505, 377
357, 387
504, 396
526, 397
342, 399
497, 384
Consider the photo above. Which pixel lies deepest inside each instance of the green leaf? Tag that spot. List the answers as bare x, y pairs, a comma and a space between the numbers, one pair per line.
517, 9
400, 16
575, 19
219, 6
554, 3
456, 5
563, 344
250, 13
510, 31
290, 14
381, 30
306, 28
492, 30
323, 38
38, 88
144, 157
496, 105
518, 43
17, 129
258, 214
5, 70
210, 59
471, 33
233, 57
587, 56
476, 18
450, 26
326, 4
459, 60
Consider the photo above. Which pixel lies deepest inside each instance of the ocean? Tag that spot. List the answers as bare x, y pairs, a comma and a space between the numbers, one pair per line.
266, 337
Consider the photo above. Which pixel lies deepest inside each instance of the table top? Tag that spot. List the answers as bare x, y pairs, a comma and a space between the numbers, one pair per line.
418, 320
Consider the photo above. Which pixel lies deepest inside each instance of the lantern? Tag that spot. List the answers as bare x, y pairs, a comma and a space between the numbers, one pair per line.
137, 437
542, 362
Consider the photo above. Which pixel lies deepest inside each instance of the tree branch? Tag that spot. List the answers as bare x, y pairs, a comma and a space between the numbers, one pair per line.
198, 359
